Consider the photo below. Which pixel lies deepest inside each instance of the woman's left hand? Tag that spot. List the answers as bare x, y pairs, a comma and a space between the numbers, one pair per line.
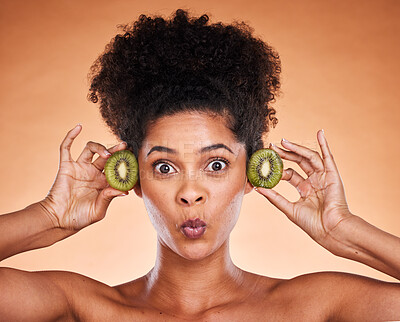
322, 205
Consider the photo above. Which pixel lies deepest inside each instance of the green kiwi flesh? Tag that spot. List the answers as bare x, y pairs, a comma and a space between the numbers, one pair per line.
121, 170
265, 168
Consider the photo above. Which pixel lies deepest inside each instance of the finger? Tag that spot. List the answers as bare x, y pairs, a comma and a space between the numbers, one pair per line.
312, 156
304, 163
100, 162
65, 147
329, 162
295, 179
105, 197
278, 201
90, 149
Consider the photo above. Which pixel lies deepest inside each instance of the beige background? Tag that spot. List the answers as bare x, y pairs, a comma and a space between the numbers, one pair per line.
340, 72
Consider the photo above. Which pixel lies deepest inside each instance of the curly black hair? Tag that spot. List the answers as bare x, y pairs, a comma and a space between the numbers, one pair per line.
157, 67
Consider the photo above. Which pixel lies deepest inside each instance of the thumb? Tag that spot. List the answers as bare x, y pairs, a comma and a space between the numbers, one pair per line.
105, 197
278, 201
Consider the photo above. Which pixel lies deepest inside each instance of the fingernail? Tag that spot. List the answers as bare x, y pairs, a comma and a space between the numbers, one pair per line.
271, 145
323, 132
284, 140
123, 142
108, 153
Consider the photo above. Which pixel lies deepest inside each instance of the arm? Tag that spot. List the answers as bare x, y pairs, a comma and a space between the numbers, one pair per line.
27, 229
54, 296
79, 197
31, 296
360, 298
322, 211
358, 240
336, 296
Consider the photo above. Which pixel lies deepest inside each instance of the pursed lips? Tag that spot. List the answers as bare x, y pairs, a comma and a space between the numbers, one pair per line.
193, 228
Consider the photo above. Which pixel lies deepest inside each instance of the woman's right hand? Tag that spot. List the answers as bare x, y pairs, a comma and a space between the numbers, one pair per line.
80, 194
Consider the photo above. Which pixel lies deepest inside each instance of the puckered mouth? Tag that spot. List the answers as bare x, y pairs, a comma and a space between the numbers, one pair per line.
193, 228
194, 223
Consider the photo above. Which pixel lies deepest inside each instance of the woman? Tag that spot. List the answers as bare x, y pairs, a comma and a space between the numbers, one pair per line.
191, 100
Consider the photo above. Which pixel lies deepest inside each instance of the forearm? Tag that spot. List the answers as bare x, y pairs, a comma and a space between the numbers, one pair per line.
358, 240
28, 229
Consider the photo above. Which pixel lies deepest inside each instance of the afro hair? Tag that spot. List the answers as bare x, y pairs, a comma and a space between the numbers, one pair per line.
157, 67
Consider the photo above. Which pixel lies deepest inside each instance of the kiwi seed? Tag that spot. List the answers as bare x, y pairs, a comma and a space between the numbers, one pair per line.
265, 168
121, 170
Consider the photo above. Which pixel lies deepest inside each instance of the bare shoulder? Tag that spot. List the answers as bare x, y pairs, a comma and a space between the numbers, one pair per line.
92, 300
49, 295
32, 294
343, 296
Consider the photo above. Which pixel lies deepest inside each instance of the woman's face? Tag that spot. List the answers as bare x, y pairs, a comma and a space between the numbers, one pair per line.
192, 181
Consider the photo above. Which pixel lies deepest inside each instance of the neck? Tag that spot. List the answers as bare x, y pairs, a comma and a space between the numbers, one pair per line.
193, 286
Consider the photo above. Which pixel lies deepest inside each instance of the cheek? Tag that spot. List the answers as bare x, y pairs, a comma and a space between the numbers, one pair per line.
230, 208
157, 203
225, 203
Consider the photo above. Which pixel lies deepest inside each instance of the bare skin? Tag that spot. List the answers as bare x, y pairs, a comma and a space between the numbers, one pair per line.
195, 279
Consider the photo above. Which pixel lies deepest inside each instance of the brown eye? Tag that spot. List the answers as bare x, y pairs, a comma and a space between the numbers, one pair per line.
163, 168
218, 165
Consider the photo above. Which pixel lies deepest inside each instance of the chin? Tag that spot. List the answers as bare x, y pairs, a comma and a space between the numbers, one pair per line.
193, 249
195, 252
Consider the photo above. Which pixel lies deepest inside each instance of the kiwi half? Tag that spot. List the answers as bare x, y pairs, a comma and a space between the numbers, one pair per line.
265, 168
121, 170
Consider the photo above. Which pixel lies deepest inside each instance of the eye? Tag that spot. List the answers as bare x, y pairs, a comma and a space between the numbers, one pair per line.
218, 164
162, 167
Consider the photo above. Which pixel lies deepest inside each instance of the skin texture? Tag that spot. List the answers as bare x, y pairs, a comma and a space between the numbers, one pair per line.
191, 188
195, 279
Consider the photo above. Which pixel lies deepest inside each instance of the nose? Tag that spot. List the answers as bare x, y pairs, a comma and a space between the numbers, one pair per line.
187, 200
191, 194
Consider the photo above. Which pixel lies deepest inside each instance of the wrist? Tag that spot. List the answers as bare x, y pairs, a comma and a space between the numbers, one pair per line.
342, 240
358, 240
48, 212
55, 216
52, 214
30, 228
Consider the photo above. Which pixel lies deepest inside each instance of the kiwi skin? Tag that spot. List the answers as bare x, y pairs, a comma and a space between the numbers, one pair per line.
275, 167
127, 160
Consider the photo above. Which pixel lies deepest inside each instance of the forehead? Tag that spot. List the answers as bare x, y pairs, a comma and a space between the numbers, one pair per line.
190, 129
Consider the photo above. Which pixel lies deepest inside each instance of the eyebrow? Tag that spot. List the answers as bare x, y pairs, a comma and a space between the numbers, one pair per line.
202, 150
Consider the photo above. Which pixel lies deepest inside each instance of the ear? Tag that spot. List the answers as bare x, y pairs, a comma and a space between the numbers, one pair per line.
249, 187
138, 189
